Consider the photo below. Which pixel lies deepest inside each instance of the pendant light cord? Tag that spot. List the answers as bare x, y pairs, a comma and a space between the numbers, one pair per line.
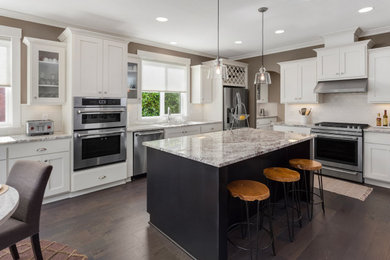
262, 39
218, 32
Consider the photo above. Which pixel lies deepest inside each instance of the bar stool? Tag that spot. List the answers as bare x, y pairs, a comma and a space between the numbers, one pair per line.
312, 167
252, 191
286, 176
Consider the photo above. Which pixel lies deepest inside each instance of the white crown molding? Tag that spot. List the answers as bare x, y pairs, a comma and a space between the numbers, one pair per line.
277, 50
374, 31
41, 20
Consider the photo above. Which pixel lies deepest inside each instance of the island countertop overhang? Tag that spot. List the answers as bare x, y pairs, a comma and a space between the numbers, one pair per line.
223, 148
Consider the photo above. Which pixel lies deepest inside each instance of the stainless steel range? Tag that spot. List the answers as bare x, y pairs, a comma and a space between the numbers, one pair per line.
339, 147
99, 135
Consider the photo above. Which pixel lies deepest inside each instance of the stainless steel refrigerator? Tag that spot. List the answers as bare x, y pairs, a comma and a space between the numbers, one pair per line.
230, 104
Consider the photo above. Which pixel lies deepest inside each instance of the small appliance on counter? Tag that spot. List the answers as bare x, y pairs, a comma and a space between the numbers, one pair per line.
39, 127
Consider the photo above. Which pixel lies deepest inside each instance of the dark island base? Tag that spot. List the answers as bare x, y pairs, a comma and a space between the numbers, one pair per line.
188, 201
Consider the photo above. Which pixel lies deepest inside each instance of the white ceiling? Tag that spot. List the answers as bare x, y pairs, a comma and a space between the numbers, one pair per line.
192, 23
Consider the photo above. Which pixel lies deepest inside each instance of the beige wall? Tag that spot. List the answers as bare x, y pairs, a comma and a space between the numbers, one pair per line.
47, 32
271, 60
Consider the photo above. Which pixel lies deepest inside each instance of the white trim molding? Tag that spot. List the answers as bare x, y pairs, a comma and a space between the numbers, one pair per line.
153, 56
14, 34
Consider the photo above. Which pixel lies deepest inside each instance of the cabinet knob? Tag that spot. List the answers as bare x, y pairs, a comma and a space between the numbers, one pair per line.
337, 73
41, 149
105, 92
35, 97
102, 177
99, 92
45, 161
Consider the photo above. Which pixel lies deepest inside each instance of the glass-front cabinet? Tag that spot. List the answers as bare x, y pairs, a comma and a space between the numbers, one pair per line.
46, 71
133, 78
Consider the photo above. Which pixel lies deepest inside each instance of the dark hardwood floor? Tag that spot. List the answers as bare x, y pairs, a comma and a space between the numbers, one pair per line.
113, 224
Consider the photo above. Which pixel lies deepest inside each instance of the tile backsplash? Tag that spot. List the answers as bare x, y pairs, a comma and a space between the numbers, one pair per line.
341, 107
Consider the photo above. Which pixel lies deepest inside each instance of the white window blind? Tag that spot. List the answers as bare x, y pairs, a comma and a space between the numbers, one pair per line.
163, 77
5, 63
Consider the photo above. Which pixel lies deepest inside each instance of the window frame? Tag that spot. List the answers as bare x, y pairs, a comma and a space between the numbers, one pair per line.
13, 117
167, 59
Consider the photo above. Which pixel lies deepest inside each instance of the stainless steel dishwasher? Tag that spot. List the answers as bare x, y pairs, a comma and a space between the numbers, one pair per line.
139, 151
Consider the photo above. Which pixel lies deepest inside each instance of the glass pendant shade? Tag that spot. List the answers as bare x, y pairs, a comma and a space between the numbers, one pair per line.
218, 71
262, 77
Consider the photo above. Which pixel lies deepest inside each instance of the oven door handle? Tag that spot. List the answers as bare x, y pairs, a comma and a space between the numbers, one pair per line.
338, 137
100, 135
149, 133
100, 111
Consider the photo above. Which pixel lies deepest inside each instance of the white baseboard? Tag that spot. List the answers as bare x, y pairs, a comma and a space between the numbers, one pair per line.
382, 184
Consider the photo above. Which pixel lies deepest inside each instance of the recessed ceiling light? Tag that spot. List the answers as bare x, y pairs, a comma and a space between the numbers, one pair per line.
173, 43
162, 19
366, 9
279, 31
238, 42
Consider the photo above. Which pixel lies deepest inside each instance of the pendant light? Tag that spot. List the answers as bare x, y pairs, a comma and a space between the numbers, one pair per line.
219, 70
262, 77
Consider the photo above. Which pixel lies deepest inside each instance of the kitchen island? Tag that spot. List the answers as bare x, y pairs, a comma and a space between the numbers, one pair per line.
187, 197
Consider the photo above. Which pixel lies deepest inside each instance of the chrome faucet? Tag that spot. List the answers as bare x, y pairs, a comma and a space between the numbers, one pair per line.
169, 115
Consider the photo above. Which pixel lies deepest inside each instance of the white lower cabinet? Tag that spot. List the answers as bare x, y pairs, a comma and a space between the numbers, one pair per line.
377, 158
55, 153
265, 123
181, 131
210, 128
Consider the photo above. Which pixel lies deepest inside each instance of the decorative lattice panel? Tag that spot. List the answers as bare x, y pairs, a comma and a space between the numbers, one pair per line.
236, 76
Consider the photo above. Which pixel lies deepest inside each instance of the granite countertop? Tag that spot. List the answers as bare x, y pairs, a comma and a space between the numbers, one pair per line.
378, 129
15, 139
227, 147
261, 117
163, 125
294, 124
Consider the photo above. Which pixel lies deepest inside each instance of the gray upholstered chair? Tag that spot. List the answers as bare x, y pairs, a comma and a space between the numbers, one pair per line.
29, 178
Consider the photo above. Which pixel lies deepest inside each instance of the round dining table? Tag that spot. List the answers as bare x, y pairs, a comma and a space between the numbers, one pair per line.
9, 202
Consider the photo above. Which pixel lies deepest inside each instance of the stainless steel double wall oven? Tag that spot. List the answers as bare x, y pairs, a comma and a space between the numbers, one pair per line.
99, 135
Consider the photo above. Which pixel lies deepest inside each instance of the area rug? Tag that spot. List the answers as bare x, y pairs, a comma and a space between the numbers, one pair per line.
50, 250
349, 189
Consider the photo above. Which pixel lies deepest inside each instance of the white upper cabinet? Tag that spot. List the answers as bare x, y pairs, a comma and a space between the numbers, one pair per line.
98, 63
297, 81
379, 75
46, 68
201, 85
346, 62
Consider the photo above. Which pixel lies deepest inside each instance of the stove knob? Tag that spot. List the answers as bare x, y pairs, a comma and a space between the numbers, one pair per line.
32, 128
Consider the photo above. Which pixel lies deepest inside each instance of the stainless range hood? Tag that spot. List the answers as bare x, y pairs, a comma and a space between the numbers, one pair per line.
341, 86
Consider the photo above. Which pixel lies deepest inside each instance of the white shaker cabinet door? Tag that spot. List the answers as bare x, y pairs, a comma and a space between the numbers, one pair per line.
88, 66
377, 161
379, 76
328, 62
114, 69
59, 181
290, 84
308, 81
353, 61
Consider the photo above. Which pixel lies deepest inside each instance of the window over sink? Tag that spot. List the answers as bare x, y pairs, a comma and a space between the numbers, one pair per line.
164, 86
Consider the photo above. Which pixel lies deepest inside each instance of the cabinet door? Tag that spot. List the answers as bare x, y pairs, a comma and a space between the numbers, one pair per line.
88, 66
3, 171
308, 70
290, 85
114, 69
206, 84
47, 78
59, 181
377, 161
133, 79
379, 77
353, 63
328, 62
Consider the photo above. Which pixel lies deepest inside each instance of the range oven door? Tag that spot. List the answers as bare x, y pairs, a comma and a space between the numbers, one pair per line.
344, 152
99, 147
95, 118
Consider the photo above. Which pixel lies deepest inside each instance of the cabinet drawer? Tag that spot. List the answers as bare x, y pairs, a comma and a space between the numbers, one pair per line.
3, 152
98, 176
210, 128
292, 129
38, 148
377, 138
265, 121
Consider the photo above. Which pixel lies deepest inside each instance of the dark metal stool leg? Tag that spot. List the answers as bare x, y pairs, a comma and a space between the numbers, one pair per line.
293, 209
271, 228
307, 195
298, 203
287, 216
14, 252
311, 194
249, 227
321, 187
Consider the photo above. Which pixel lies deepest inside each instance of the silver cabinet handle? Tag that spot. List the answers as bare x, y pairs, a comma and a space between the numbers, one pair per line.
102, 177
45, 161
149, 133
99, 92
41, 149
35, 97
101, 134
105, 92
101, 111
